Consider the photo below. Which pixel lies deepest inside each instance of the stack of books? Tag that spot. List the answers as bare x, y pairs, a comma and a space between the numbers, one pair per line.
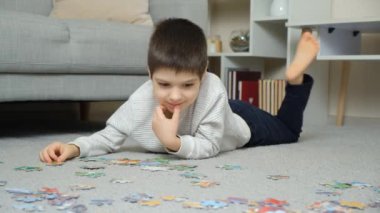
247, 86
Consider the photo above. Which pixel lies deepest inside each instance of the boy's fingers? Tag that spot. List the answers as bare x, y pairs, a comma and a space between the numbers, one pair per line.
159, 112
63, 157
176, 113
45, 156
52, 155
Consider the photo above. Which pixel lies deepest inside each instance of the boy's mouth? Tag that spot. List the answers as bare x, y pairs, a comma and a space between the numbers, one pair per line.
171, 107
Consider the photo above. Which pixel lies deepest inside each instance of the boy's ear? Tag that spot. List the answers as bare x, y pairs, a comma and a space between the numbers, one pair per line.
150, 75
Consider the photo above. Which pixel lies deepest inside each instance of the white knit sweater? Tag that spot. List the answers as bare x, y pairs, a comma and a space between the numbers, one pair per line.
207, 127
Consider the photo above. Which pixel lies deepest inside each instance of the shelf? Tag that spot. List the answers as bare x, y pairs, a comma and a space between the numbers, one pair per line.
342, 39
271, 19
367, 25
348, 57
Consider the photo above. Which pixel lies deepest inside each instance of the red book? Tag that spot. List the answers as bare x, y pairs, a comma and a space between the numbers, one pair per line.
243, 76
249, 92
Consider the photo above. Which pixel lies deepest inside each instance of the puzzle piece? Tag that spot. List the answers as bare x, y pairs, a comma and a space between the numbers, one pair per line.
81, 187
101, 202
190, 204
205, 183
183, 167
353, 204
328, 193
121, 181
28, 168
214, 204
151, 203
136, 197
277, 177
155, 168
125, 162
229, 167
237, 200
193, 175
173, 198
90, 174
92, 167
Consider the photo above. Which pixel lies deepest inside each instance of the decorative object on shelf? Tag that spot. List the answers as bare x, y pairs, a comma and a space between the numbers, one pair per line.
279, 8
239, 40
214, 44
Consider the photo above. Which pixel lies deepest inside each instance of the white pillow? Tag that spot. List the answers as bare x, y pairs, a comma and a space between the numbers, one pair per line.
131, 11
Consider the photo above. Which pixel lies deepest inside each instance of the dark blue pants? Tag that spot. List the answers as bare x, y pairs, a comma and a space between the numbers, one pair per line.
286, 126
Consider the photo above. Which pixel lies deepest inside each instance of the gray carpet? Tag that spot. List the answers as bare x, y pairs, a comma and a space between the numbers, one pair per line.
323, 155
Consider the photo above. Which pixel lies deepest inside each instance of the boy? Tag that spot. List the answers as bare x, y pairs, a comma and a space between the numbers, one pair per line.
184, 110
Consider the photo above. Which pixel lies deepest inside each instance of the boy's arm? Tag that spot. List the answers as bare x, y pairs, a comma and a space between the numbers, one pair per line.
206, 141
102, 142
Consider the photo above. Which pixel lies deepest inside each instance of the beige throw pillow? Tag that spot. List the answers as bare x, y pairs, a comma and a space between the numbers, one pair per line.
131, 11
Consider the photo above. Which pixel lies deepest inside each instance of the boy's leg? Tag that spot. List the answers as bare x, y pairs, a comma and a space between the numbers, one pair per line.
286, 127
299, 84
266, 129
294, 104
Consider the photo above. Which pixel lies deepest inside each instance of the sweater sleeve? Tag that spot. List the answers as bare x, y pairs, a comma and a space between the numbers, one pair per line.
205, 142
111, 137
102, 142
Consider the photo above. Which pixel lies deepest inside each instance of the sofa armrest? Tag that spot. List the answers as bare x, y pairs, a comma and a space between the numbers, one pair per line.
40, 7
194, 10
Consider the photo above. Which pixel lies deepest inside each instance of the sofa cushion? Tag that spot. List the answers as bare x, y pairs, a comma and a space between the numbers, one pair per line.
36, 44
130, 11
41, 7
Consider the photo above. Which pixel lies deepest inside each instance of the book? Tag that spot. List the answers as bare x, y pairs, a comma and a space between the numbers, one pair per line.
232, 84
245, 76
249, 92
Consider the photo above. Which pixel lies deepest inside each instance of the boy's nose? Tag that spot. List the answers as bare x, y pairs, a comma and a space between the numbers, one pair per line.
175, 95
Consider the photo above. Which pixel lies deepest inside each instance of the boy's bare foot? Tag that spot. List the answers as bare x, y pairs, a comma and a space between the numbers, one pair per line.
306, 51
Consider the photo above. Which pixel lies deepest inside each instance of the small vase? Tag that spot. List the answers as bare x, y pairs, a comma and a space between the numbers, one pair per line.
279, 8
239, 40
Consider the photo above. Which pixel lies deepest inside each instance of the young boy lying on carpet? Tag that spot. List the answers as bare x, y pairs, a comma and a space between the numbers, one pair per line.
184, 110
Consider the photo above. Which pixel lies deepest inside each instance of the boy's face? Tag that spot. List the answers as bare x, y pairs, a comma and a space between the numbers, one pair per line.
175, 89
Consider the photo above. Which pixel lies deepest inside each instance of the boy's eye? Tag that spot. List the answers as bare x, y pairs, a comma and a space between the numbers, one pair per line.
164, 84
189, 85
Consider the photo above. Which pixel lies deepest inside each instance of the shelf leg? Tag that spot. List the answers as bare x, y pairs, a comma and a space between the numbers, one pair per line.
345, 74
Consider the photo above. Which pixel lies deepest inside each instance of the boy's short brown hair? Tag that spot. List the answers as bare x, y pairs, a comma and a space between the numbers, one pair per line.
178, 44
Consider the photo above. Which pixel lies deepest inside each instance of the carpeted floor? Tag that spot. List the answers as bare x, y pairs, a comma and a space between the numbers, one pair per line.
323, 155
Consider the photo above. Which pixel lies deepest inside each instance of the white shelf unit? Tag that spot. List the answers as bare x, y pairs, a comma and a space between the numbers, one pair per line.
340, 25
268, 37
272, 45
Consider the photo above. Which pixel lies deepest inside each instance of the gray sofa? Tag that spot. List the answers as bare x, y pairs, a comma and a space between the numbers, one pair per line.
46, 59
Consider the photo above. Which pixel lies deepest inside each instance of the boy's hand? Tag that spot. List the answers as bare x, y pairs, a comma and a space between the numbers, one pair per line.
59, 152
166, 128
